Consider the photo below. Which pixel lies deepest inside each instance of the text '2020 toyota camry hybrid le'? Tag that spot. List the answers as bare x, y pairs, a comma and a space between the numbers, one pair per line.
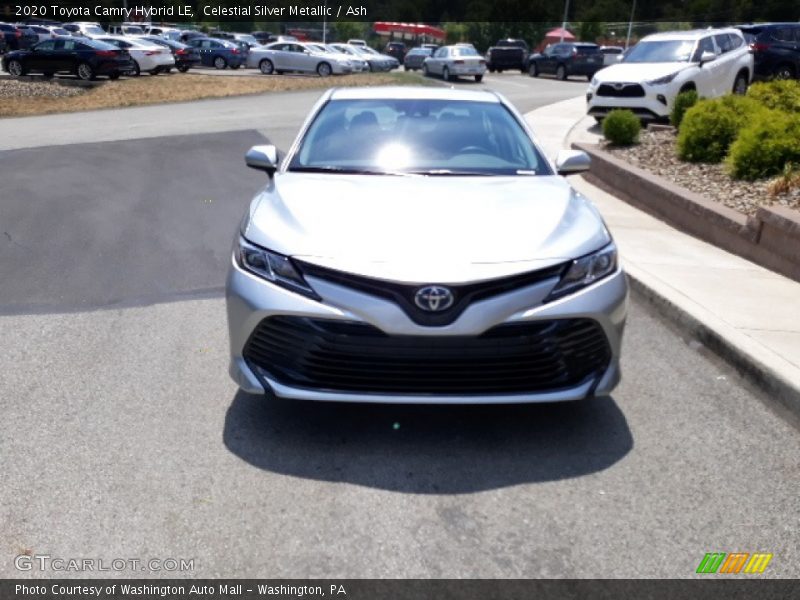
415, 246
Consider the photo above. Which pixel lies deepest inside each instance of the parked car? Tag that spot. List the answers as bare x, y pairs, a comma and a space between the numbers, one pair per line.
169, 33
280, 57
243, 39
263, 37
219, 54
775, 48
84, 29
125, 29
185, 56
714, 62
414, 58
520, 299
46, 32
356, 42
453, 61
375, 60
147, 56
507, 55
190, 34
611, 54
567, 59
396, 49
359, 64
17, 38
86, 58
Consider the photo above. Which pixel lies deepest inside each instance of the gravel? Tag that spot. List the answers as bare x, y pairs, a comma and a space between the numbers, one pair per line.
10, 88
656, 153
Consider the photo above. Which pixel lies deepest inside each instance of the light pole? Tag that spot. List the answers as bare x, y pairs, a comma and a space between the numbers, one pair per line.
325, 23
564, 23
630, 25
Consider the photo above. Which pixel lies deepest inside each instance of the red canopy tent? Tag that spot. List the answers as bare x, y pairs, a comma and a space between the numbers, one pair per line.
410, 31
554, 36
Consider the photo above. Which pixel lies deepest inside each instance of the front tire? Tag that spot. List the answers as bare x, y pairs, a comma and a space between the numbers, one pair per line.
740, 85
561, 73
137, 70
220, 63
15, 68
183, 69
266, 67
446, 74
425, 72
155, 71
113, 76
784, 72
478, 78
85, 72
324, 69
533, 70
234, 67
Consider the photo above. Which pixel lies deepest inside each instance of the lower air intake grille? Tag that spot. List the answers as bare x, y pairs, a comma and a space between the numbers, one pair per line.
347, 356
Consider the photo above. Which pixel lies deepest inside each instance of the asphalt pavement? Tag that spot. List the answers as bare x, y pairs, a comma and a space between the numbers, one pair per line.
122, 436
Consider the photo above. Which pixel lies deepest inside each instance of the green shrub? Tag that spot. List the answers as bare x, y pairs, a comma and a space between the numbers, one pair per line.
621, 127
782, 94
683, 102
766, 145
709, 127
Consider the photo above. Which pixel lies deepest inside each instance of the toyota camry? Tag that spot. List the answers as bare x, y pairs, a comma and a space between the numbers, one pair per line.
415, 246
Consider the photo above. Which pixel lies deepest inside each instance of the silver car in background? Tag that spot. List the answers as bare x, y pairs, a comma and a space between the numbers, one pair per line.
280, 57
454, 61
415, 246
359, 65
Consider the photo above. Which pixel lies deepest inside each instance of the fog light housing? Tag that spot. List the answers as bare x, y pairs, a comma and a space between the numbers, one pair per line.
589, 97
662, 99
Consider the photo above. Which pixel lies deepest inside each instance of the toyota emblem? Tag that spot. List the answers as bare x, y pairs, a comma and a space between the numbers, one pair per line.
434, 298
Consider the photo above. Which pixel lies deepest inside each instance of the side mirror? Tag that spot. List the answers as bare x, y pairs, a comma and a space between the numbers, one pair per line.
569, 162
264, 158
707, 56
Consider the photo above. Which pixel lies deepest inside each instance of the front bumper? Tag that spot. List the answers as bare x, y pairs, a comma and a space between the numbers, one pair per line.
653, 105
251, 300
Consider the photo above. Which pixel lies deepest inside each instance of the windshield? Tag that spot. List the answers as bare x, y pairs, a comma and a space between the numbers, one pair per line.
94, 30
417, 136
660, 52
247, 38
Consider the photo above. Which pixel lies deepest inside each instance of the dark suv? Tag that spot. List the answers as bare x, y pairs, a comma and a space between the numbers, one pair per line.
396, 49
18, 38
775, 48
566, 59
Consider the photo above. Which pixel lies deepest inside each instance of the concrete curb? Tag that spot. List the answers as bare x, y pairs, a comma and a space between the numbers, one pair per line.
755, 370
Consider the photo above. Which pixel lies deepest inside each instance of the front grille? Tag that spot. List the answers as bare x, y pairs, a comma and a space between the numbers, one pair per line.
621, 90
403, 294
356, 357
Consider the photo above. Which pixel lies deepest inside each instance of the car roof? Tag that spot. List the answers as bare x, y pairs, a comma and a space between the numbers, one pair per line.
413, 93
691, 34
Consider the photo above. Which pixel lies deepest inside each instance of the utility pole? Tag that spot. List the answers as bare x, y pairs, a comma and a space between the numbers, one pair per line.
325, 23
564, 23
630, 26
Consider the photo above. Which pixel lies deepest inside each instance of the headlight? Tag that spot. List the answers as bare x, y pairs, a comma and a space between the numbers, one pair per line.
662, 80
273, 267
586, 270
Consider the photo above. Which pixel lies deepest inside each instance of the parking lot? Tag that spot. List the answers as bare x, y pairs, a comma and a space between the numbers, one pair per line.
123, 436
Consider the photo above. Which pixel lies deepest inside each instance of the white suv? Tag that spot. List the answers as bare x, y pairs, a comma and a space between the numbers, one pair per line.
713, 62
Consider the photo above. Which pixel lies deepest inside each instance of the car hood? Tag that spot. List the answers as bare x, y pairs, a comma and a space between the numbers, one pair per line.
422, 229
639, 71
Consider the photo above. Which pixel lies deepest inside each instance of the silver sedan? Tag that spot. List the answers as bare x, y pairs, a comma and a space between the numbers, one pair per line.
280, 57
453, 61
416, 246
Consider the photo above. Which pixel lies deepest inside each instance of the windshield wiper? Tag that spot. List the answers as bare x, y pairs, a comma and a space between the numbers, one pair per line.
451, 173
344, 171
